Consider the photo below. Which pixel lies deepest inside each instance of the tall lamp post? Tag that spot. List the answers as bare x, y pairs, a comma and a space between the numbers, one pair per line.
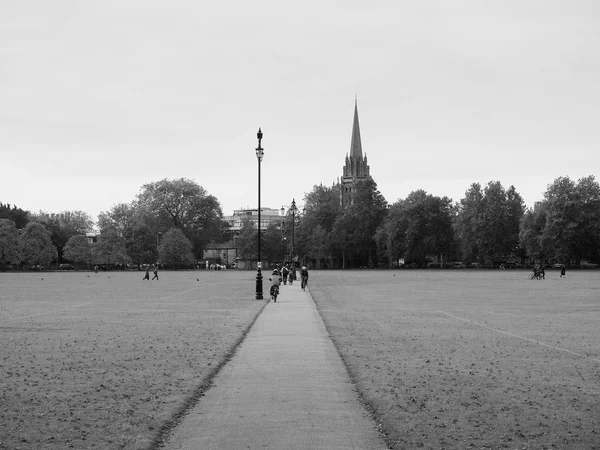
259, 155
293, 209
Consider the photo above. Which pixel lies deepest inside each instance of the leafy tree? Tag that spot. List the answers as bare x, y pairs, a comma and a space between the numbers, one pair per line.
63, 226
417, 227
110, 248
175, 249
17, 215
184, 204
247, 241
572, 227
35, 245
272, 246
78, 249
468, 223
9, 242
531, 229
487, 222
315, 223
358, 224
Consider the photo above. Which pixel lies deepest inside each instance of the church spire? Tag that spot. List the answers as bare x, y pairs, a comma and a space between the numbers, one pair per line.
355, 144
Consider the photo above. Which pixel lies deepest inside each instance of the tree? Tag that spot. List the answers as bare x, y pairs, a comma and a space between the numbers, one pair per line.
247, 241
35, 245
531, 229
110, 248
17, 215
468, 223
321, 210
78, 249
175, 249
487, 222
272, 247
358, 224
9, 242
184, 204
572, 226
416, 228
63, 226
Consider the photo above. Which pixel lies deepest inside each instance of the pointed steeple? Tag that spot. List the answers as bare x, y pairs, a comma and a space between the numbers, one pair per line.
355, 144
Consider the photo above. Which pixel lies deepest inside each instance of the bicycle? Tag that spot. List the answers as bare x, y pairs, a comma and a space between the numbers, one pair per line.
274, 293
304, 283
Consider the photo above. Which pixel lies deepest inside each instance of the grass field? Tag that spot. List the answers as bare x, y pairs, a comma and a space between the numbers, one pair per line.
471, 359
448, 359
107, 360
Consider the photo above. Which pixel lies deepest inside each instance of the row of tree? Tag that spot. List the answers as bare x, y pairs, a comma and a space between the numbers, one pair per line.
489, 225
172, 221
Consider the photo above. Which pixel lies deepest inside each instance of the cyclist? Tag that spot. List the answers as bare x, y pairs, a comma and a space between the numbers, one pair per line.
275, 282
304, 276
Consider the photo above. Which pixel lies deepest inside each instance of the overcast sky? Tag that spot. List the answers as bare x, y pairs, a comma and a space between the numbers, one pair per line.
98, 98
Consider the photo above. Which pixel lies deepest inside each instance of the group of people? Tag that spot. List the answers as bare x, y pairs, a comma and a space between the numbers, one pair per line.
287, 274
147, 276
539, 273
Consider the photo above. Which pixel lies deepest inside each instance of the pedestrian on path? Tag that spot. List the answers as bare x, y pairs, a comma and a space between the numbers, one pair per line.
155, 273
562, 271
147, 276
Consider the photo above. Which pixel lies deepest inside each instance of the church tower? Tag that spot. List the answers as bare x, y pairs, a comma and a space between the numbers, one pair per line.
356, 167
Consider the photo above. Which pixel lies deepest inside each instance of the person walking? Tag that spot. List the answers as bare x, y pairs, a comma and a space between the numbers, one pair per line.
147, 276
284, 273
155, 277
562, 271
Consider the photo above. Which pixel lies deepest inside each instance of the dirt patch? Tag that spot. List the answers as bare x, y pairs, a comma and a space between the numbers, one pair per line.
454, 360
99, 362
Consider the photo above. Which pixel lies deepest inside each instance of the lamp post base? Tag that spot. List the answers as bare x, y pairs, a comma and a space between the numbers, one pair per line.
259, 284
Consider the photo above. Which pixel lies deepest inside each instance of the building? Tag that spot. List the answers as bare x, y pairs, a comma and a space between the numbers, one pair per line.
356, 167
267, 217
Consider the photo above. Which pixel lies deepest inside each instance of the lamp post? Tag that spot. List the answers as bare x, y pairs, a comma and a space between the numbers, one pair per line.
157, 241
283, 239
259, 156
293, 209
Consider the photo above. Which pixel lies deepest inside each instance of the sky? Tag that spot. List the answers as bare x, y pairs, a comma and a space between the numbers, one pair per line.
99, 98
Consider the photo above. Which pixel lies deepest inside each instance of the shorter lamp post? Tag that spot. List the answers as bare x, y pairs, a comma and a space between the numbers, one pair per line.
259, 279
157, 242
293, 209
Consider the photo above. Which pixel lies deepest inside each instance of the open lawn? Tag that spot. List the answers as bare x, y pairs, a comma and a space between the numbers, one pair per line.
106, 360
468, 358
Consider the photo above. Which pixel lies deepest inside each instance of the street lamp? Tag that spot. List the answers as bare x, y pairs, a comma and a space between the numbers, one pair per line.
293, 209
283, 238
157, 251
259, 155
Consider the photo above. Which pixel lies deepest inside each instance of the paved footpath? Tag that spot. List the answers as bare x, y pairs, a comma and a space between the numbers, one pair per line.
285, 388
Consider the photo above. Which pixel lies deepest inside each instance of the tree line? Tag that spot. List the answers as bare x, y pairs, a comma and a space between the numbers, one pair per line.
172, 221
489, 225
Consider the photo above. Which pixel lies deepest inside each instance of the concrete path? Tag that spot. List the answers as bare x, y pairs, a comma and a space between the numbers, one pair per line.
285, 388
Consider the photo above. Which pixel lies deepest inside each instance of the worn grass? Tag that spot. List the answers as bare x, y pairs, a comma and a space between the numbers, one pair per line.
106, 360
471, 359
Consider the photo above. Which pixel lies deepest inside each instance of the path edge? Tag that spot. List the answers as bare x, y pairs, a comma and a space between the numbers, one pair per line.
380, 424
190, 402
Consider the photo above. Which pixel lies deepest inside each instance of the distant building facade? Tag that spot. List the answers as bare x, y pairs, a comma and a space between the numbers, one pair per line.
267, 217
355, 167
